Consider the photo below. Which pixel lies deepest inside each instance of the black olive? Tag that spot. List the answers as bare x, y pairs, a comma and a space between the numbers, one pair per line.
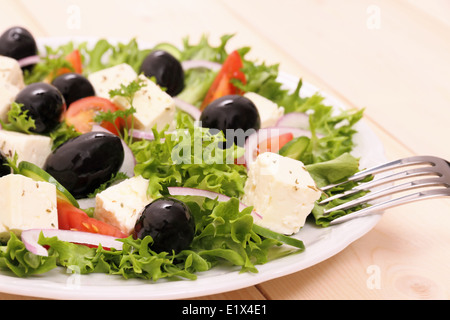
166, 69
4, 168
18, 43
45, 104
233, 113
170, 224
73, 86
83, 163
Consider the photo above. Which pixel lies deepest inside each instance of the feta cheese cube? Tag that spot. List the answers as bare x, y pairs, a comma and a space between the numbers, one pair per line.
109, 79
10, 72
120, 205
33, 148
153, 106
269, 112
281, 191
26, 204
8, 93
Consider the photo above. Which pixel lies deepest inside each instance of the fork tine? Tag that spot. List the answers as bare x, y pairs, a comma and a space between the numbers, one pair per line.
437, 167
383, 180
422, 195
415, 160
389, 191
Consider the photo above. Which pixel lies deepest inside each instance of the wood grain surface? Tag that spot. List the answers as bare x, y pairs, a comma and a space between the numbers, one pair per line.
390, 57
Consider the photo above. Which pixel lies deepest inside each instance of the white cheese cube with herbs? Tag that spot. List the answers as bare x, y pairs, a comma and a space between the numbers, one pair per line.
153, 106
281, 191
269, 111
26, 204
33, 148
10, 72
121, 205
8, 93
111, 78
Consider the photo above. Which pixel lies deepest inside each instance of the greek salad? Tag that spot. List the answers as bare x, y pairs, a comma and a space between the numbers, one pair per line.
159, 162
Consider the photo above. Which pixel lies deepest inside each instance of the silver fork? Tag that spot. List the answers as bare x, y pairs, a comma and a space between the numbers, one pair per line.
431, 174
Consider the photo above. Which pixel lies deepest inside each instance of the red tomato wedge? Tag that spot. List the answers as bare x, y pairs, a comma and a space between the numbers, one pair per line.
274, 144
74, 58
72, 218
81, 114
222, 86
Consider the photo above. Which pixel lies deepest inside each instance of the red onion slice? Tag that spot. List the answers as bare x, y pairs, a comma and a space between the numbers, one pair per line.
30, 239
30, 60
255, 139
190, 109
144, 135
148, 135
184, 191
24, 62
191, 64
294, 120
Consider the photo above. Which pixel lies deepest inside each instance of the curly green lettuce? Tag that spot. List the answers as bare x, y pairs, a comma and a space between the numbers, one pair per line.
190, 157
224, 235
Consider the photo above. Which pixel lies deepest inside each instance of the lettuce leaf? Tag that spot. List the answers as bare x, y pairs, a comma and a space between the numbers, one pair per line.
105, 54
332, 130
197, 83
190, 158
332, 172
53, 60
224, 235
15, 257
203, 50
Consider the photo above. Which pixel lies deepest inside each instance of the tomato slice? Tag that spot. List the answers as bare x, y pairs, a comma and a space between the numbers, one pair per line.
72, 218
74, 58
274, 144
222, 86
81, 114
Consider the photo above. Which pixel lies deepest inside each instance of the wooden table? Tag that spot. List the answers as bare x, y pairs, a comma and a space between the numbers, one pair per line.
390, 57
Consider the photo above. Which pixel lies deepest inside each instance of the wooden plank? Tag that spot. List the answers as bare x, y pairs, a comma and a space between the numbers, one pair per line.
12, 14
403, 257
397, 72
250, 293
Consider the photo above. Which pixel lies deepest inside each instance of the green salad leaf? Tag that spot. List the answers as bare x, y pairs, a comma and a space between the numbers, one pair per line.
189, 157
332, 172
106, 54
53, 60
332, 130
224, 235
203, 50
18, 119
15, 257
197, 81
62, 133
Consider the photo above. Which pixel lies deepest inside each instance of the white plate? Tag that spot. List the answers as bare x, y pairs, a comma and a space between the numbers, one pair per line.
321, 244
